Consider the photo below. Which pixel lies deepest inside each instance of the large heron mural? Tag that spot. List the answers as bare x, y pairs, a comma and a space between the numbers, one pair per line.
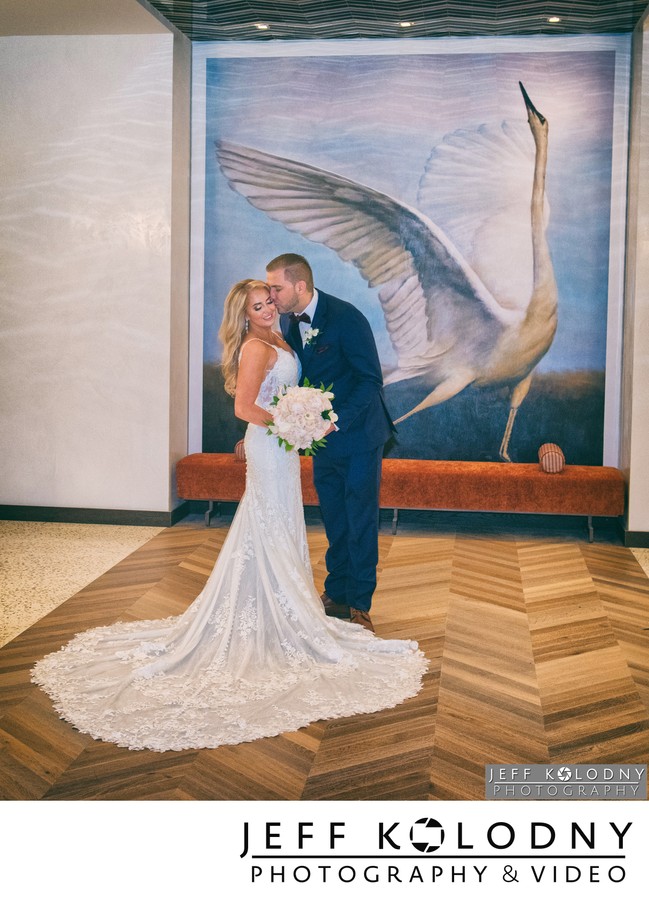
479, 309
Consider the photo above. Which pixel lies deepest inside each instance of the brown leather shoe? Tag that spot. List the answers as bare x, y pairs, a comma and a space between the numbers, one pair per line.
360, 616
335, 609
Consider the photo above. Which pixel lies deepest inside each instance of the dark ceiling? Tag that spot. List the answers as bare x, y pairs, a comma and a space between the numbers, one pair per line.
236, 20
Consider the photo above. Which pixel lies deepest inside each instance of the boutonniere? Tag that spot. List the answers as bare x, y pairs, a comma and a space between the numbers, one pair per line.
310, 335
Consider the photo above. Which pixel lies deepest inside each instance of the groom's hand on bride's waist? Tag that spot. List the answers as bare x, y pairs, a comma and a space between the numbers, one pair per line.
240, 451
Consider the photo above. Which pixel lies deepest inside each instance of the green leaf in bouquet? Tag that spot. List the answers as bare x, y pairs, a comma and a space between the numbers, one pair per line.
315, 446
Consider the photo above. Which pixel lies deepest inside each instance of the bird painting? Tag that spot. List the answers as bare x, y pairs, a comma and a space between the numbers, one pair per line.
468, 292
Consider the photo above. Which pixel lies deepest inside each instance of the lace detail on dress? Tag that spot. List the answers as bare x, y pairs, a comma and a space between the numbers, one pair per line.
254, 655
282, 374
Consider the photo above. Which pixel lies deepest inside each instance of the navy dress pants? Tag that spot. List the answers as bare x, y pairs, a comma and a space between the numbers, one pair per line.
348, 491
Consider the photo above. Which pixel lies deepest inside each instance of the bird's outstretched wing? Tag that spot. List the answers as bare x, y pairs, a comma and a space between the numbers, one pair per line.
430, 297
477, 187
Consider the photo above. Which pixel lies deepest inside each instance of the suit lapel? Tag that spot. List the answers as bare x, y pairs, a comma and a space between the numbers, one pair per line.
291, 333
318, 323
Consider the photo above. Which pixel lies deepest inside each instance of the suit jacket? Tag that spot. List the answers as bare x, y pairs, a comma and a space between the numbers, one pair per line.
344, 354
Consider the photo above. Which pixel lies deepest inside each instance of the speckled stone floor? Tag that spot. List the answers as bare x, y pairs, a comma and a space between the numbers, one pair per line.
44, 563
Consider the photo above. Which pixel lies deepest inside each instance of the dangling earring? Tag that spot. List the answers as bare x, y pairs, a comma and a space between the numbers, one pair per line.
246, 326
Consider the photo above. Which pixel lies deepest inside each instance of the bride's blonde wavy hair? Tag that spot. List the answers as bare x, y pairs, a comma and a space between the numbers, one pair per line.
233, 329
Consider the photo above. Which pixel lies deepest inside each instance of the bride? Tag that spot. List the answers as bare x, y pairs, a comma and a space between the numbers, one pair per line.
254, 655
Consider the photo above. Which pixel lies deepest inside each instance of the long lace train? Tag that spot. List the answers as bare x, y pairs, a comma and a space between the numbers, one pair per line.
253, 656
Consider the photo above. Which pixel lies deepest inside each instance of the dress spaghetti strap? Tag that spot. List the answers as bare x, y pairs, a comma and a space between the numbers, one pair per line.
250, 339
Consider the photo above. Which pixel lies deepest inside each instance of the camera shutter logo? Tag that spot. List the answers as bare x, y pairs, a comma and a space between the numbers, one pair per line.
427, 834
564, 773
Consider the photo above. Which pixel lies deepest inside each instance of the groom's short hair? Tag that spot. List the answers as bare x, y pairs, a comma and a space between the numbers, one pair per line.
295, 267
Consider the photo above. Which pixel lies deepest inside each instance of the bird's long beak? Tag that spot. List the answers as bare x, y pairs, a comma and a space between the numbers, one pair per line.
531, 108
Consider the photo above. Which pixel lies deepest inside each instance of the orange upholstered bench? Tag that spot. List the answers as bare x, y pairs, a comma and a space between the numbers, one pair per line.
434, 484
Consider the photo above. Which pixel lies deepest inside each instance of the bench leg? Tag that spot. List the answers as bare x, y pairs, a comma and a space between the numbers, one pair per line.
590, 528
209, 513
395, 520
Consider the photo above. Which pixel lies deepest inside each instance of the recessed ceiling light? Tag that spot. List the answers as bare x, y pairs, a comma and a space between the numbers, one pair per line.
261, 27
405, 24
554, 20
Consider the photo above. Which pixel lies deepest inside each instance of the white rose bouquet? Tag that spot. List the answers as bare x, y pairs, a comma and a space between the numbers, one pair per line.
302, 416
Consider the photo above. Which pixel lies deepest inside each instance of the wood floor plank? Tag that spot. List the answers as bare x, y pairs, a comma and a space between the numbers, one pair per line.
489, 706
272, 769
537, 650
591, 704
36, 748
624, 591
386, 755
105, 771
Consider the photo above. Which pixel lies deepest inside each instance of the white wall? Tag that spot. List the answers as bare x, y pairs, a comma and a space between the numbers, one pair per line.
89, 294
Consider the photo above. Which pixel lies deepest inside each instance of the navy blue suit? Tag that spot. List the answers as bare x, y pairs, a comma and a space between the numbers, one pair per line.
347, 471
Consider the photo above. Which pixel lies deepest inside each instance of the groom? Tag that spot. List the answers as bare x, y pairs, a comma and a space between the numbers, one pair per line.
335, 346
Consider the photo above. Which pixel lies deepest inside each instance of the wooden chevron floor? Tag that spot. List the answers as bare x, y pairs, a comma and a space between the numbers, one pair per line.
538, 649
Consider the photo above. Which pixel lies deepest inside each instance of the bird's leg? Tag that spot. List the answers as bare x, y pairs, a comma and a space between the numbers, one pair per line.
502, 452
444, 391
518, 395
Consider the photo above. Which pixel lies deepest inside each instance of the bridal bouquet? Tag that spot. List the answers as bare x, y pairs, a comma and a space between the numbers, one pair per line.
302, 417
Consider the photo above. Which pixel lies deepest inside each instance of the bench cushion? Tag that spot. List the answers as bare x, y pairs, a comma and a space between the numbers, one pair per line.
501, 487
437, 484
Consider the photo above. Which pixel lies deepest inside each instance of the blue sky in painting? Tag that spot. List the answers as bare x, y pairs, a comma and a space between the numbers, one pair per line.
375, 119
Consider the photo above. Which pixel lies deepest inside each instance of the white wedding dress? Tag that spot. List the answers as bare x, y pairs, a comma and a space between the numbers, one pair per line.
254, 655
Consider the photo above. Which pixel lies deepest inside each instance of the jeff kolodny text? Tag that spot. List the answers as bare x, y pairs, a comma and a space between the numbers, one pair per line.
427, 849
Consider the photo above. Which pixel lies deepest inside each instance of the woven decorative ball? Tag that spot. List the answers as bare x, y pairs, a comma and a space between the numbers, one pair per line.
551, 458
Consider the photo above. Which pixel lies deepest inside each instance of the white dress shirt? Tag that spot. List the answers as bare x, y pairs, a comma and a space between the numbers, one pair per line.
310, 311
